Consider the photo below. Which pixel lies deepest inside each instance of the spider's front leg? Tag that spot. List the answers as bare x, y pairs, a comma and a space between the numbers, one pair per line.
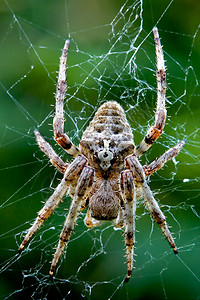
74, 169
58, 123
55, 160
83, 187
134, 165
160, 116
129, 197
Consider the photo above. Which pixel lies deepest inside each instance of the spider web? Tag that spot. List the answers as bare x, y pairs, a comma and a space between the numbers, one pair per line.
111, 57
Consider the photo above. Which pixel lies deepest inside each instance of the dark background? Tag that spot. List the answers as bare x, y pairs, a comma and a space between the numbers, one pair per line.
32, 34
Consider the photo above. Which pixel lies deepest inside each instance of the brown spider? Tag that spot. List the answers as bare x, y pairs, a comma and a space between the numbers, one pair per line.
106, 174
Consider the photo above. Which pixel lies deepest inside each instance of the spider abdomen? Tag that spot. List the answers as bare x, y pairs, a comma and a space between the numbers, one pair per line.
104, 201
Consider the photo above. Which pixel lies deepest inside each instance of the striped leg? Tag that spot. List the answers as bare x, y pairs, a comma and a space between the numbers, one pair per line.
159, 163
83, 187
156, 130
157, 214
50, 153
89, 221
119, 223
58, 123
71, 174
129, 196
134, 165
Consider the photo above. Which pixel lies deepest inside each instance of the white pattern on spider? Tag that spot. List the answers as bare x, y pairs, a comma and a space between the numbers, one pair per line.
106, 174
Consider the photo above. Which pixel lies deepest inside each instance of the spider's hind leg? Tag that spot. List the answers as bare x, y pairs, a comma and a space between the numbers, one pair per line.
72, 172
157, 214
119, 222
83, 187
129, 196
139, 177
89, 221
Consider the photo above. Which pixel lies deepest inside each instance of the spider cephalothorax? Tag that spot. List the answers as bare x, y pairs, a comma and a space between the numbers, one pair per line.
106, 175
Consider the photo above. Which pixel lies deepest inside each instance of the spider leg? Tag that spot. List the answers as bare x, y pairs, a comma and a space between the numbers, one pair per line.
139, 177
72, 172
119, 223
84, 185
156, 130
129, 196
157, 214
58, 123
89, 221
158, 163
50, 153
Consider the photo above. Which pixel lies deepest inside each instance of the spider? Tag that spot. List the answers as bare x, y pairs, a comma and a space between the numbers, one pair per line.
106, 175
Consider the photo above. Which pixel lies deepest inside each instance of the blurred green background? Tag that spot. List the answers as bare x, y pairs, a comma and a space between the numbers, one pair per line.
31, 38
